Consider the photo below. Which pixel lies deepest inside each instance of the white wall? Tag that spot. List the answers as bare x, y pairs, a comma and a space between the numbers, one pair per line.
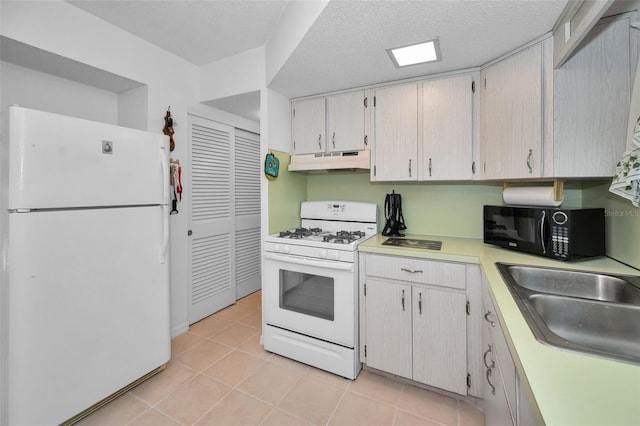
296, 19
133, 108
33, 89
241, 73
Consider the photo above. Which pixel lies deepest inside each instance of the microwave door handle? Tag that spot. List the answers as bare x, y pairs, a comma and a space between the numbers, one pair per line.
543, 241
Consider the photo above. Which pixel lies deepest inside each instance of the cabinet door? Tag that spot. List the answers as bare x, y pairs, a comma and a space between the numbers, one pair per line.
499, 390
396, 133
496, 407
440, 339
345, 122
388, 331
528, 414
591, 104
447, 129
511, 123
308, 126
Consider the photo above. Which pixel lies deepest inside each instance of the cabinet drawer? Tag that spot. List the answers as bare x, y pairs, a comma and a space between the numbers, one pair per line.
414, 270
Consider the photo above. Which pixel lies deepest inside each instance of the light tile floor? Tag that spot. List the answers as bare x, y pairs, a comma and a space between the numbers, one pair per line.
220, 375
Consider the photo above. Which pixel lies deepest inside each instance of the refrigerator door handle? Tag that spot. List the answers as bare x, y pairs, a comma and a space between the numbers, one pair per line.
164, 247
165, 175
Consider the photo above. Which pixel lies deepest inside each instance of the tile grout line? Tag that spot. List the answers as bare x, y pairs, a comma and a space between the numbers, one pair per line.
335, 409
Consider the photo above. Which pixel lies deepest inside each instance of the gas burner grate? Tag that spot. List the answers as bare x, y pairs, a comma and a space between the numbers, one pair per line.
300, 233
343, 237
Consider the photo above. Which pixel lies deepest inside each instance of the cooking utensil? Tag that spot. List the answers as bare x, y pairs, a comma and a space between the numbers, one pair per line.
393, 215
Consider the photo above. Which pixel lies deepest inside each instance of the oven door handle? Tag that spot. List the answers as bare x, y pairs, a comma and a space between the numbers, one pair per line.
341, 266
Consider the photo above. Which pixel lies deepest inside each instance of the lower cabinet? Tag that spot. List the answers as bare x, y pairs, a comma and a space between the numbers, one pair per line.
507, 399
440, 338
414, 320
499, 398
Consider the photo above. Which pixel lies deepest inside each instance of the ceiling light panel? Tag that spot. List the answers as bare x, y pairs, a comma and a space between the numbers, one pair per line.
419, 53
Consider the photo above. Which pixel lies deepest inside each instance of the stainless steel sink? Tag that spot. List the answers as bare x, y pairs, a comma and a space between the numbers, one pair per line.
606, 288
591, 313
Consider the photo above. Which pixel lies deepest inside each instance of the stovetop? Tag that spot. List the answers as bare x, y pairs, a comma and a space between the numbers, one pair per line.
328, 230
317, 234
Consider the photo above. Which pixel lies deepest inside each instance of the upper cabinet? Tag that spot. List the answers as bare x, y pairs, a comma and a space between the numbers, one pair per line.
591, 101
329, 124
512, 116
424, 131
395, 129
308, 134
521, 119
346, 118
447, 128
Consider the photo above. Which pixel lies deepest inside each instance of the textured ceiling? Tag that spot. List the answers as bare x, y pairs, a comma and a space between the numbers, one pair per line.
200, 31
346, 46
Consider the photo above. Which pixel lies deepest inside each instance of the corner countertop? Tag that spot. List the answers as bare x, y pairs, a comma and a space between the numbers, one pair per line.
569, 388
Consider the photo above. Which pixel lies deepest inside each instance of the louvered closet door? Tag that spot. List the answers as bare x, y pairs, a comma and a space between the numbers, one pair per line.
247, 169
211, 248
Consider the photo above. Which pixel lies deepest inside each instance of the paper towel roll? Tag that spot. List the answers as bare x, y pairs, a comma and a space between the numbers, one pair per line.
530, 196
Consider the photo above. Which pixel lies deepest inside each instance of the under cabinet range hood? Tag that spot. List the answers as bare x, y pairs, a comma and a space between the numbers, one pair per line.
328, 161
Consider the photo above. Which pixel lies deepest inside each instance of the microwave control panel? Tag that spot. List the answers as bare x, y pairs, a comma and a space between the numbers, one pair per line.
560, 235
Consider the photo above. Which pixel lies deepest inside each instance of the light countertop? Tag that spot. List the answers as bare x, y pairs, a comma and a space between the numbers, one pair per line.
569, 388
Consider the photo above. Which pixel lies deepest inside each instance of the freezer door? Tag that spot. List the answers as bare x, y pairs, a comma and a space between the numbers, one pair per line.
88, 308
57, 161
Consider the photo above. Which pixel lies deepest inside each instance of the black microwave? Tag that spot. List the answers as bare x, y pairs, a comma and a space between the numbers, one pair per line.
564, 234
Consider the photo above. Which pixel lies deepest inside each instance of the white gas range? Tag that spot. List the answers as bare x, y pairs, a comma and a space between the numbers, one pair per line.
310, 290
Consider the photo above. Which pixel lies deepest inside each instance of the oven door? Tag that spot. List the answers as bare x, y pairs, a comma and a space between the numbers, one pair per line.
313, 297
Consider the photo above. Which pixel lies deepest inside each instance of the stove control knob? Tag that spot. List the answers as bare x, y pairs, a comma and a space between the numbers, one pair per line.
324, 254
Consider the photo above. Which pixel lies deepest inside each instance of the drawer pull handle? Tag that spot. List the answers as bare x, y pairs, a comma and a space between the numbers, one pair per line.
493, 324
420, 303
403, 300
411, 271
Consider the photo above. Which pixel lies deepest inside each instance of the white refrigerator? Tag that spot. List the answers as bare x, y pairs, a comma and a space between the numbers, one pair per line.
85, 279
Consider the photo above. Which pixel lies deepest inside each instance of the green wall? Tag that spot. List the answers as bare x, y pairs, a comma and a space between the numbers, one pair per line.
451, 209
446, 209
286, 192
622, 222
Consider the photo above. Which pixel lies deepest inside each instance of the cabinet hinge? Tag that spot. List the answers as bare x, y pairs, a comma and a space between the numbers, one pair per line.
374, 101
365, 289
366, 101
485, 83
473, 87
374, 170
294, 113
473, 167
468, 308
366, 140
468, 380
365, 351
